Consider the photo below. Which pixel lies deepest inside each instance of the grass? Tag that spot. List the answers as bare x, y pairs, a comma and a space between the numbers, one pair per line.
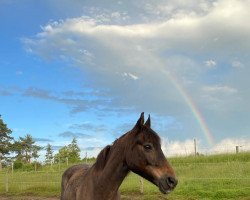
201, 177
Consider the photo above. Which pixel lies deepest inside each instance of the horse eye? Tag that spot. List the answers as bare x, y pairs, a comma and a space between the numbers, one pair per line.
148, 147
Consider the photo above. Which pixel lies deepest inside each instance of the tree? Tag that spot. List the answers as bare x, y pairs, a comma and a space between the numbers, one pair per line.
74, 151
49, 154
62, 154
26, 149
70, 152
5, 141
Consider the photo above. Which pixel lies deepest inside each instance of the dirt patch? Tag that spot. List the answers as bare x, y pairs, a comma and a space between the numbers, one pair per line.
54, 198
123, 197
27, 198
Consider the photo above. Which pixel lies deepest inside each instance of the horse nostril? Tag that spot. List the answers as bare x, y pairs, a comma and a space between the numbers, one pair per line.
172, 182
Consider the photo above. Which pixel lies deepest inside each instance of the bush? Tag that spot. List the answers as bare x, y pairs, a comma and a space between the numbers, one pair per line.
27, 167
18, 164
32, 166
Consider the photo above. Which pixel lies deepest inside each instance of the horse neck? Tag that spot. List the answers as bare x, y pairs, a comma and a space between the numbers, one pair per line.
115, 170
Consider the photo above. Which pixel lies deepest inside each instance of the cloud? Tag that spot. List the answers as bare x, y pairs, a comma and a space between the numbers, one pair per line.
69, 134
162, 10
129, 75
88, 126
215, 96
91, 152
43, 140
237, 64
177, 148
142, 66
76, 104
78, 101
57, 147
39, 93
5, 92
220, 89
186, 147
228, 145
91, 148
210, 64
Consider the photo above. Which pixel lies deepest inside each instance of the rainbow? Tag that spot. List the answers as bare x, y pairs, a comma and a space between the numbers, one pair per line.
191, 104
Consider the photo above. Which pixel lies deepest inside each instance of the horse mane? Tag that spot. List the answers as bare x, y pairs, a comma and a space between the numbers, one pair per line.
102, 158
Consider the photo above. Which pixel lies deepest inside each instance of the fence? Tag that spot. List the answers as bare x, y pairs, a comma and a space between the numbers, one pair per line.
227, 174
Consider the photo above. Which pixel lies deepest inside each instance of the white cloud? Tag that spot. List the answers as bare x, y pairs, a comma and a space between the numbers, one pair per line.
237, 64
210, 64
219, 90
221, 98
131, 76
228, 145
176, 8
182, 33
91, 152
187, 147
178, 148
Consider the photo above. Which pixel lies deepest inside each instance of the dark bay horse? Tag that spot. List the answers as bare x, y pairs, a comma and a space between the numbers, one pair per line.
139, 151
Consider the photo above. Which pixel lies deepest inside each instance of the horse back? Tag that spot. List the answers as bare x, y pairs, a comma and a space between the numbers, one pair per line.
70, 173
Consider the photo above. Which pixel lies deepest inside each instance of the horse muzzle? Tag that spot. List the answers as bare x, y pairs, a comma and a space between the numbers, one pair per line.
167, 183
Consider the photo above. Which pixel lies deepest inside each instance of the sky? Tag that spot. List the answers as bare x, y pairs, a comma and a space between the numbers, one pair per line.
87, 69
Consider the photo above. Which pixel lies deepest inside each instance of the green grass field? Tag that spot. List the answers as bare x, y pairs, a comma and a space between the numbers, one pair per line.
201, 177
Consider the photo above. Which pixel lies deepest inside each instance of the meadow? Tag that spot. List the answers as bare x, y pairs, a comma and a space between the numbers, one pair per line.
200, 177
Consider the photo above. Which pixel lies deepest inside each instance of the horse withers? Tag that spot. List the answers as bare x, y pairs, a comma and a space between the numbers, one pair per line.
138, 150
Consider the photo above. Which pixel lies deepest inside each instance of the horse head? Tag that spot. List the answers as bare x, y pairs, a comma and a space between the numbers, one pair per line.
144, 156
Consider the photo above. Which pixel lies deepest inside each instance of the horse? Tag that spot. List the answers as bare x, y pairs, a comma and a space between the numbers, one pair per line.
138, 150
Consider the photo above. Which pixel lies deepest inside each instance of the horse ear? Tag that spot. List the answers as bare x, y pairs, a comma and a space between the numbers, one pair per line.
140, 121
148, 122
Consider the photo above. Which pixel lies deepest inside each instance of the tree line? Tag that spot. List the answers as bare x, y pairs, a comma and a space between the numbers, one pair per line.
25, 150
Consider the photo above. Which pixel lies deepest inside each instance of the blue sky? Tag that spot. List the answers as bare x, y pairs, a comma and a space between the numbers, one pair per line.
89, 68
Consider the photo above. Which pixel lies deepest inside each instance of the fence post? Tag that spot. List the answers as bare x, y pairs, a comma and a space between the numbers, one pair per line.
195, 148
6, 183
141, 186
51, 164
12, 167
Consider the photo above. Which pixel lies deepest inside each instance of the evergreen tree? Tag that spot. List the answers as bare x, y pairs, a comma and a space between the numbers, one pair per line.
49, 154
26, 149
70, 152
74, 151
5, 141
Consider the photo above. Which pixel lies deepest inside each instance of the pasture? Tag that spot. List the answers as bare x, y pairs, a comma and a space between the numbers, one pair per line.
200, 177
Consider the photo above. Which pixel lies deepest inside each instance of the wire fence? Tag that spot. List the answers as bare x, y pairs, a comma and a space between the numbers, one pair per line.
226, 175
24, 183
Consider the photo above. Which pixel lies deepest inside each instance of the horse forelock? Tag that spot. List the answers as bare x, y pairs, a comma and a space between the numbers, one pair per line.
131, 138
152, 136
146, 134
